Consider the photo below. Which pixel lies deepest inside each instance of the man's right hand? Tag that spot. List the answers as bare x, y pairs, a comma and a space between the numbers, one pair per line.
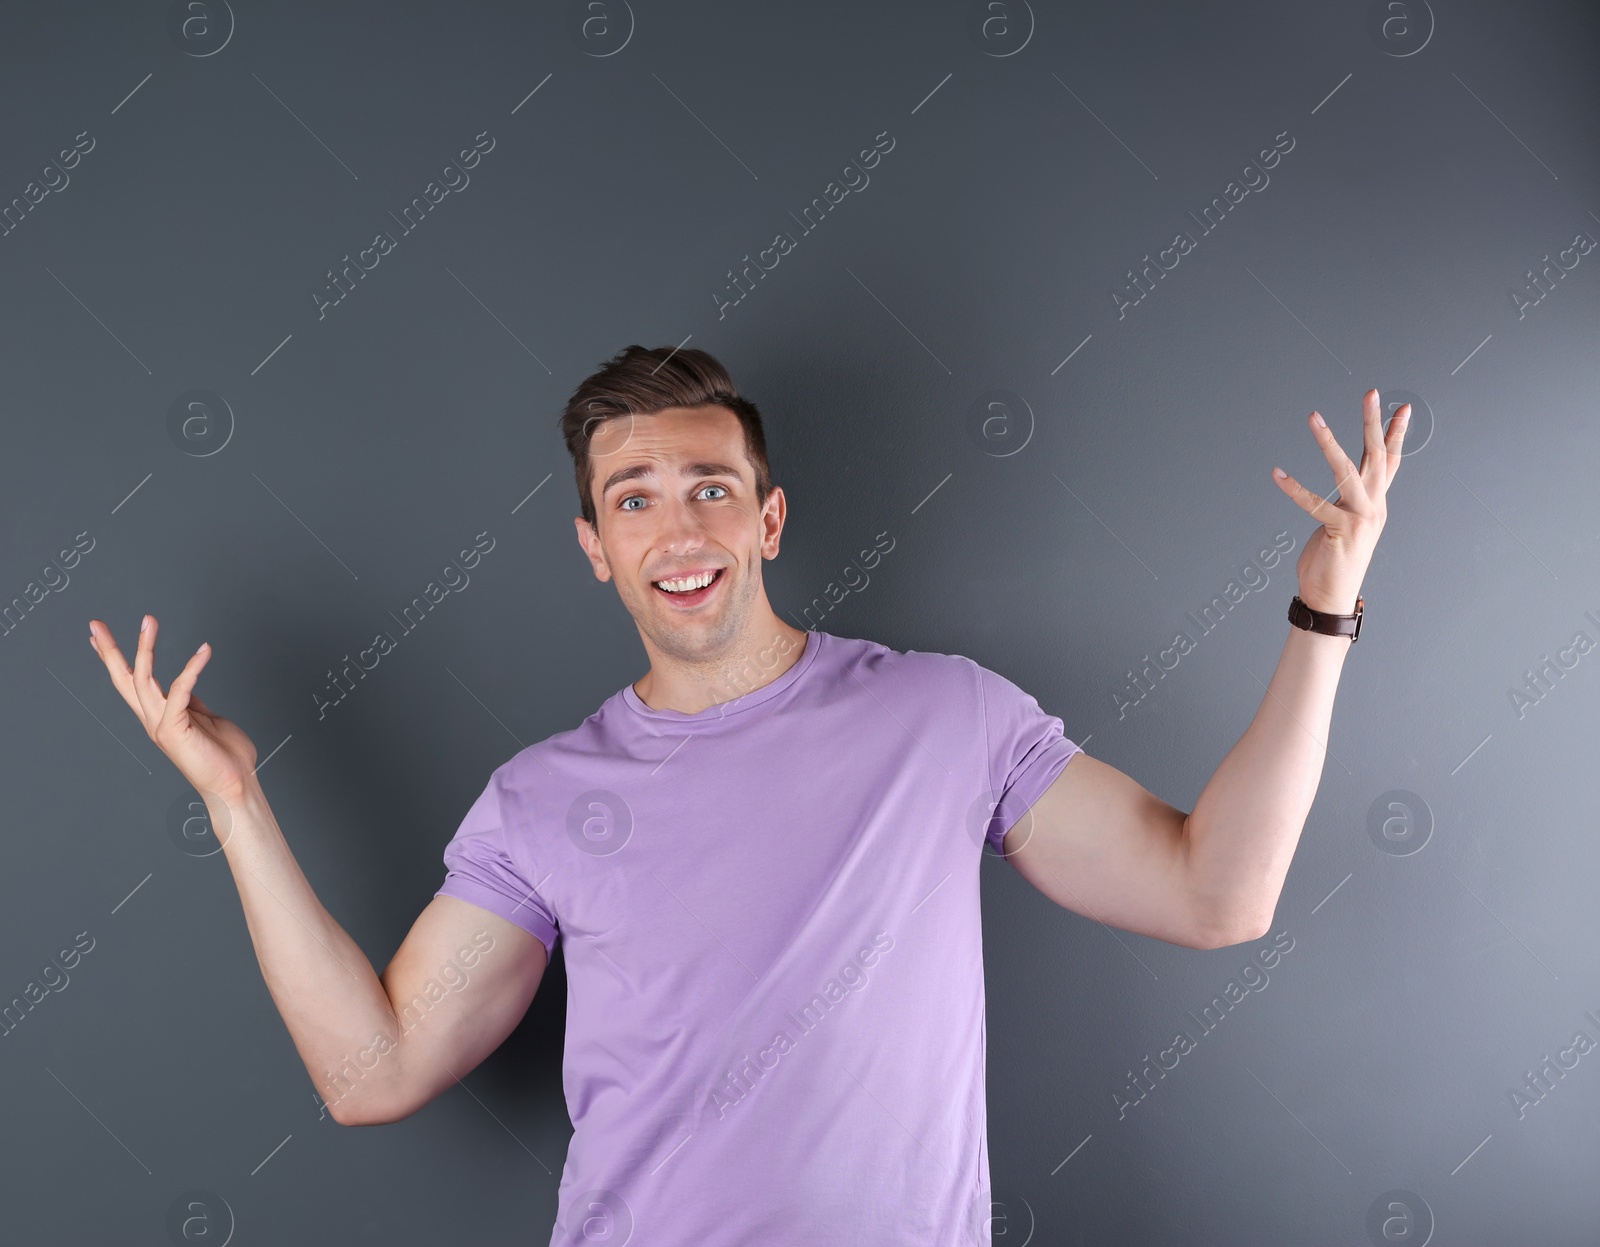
213, 754
338, 1010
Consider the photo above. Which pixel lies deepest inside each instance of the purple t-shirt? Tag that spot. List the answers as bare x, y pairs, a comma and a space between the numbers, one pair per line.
775, 1004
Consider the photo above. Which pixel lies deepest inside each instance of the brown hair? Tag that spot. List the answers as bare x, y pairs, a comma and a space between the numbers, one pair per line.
639, 381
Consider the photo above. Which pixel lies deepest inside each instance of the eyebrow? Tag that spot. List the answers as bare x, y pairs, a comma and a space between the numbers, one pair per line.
638, 470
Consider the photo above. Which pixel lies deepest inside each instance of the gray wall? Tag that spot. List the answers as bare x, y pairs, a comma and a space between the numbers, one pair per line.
1441, 903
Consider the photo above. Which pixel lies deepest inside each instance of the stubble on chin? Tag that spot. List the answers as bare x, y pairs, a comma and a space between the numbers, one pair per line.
699, 642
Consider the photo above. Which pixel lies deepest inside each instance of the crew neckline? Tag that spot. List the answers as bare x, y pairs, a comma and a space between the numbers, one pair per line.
814, 643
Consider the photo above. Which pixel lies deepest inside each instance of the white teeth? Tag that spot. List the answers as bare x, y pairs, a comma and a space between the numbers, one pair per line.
688, 584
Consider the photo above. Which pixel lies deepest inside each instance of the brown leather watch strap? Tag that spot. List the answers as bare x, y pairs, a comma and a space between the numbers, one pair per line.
1302, 616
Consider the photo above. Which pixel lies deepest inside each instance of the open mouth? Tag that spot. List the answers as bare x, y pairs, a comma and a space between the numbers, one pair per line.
689, 590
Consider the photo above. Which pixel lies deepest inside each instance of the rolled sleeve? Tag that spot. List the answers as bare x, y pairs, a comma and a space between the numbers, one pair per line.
481, 872
1027, 750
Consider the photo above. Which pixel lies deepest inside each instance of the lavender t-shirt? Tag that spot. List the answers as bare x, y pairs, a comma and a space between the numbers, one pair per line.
775, 1003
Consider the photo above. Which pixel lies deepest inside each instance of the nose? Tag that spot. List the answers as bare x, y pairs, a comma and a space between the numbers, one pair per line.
681, 531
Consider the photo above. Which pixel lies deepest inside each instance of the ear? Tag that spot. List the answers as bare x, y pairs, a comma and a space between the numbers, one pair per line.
772, 517
590, 541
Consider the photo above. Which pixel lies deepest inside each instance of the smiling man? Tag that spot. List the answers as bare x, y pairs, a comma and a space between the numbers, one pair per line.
762, 860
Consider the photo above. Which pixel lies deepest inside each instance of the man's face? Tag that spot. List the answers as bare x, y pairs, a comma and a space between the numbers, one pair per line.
675, 498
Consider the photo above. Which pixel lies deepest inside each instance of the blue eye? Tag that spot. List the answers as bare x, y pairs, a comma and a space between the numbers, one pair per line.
623, 504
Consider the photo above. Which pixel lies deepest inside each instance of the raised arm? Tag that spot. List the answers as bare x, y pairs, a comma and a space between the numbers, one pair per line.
1098, 843
376, 1048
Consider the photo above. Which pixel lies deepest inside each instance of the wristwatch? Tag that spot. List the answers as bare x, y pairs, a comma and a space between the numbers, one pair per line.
1302, 616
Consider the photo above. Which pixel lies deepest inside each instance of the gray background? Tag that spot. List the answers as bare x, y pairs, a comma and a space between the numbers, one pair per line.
1435, 162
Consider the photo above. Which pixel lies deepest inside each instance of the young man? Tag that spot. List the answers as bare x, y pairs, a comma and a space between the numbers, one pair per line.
762, 860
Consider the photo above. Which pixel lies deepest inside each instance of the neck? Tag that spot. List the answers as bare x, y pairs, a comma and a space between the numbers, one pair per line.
763, 652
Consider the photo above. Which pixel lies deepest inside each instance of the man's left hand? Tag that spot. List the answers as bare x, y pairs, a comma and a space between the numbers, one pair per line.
1335, 557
